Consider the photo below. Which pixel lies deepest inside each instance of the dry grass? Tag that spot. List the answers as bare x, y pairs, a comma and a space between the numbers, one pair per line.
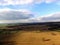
36, 38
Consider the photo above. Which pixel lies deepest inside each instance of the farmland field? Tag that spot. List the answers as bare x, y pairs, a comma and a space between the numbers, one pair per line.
36, 38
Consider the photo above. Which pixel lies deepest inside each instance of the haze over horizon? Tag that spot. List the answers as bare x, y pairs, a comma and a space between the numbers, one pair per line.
27, 11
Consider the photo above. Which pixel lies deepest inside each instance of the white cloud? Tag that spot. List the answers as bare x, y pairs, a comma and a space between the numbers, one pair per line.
25, 16
19, 2
51, 17
11, 14
5, 9
38, 1
50, 1
47, 18
26, 2
15, 2
21, 10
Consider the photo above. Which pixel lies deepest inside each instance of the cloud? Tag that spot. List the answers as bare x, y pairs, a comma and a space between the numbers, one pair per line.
15, 2
38, 1
15, 14
51, 17
19, 2
47, 18
25, 16
50, 1
26, 2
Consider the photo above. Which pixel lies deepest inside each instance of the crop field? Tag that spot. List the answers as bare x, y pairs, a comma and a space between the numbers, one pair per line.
36, 38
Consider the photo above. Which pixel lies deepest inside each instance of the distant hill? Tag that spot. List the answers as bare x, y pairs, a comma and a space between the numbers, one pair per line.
31, 26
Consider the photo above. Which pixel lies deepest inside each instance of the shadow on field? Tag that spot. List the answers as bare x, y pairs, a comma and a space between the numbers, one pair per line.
7, 43
5, 38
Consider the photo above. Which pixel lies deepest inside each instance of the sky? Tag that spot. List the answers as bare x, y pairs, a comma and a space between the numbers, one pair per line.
26, 11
